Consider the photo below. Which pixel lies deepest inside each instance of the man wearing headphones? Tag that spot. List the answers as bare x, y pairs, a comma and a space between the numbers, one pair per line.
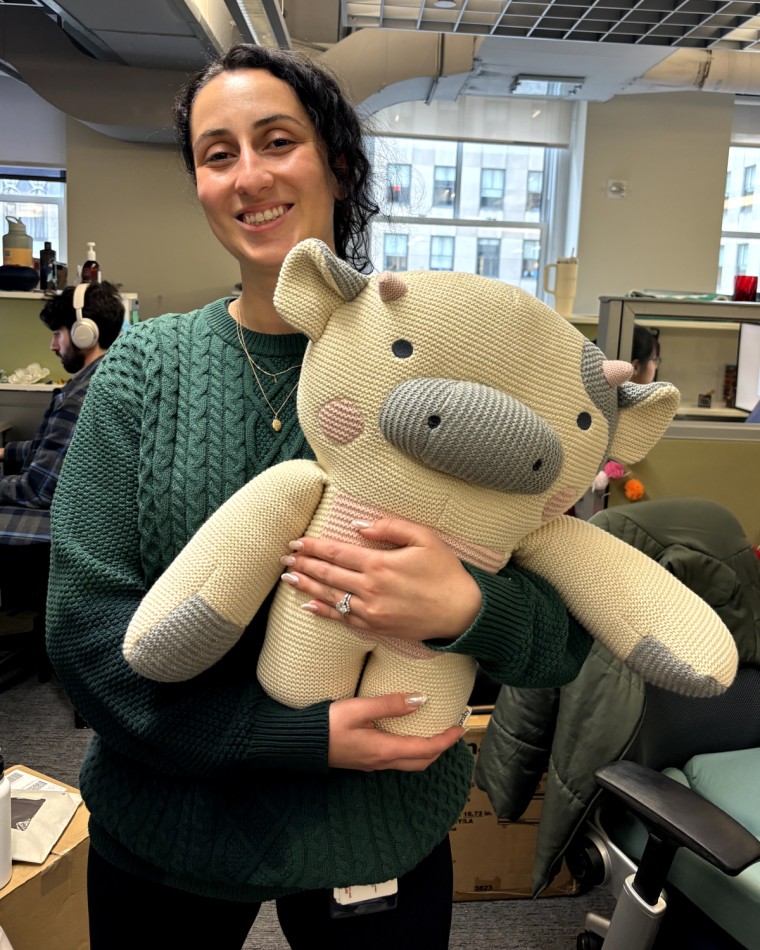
85, 321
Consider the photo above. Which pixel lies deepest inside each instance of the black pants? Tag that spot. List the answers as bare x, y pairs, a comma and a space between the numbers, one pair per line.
130, 913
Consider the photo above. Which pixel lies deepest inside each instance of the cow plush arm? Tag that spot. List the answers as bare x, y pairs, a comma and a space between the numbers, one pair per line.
633, 606
199, 607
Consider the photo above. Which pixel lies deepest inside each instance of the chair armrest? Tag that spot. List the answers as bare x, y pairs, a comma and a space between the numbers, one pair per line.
676, 813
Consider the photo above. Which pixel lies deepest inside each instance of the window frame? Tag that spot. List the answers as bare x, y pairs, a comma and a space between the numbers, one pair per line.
52, 175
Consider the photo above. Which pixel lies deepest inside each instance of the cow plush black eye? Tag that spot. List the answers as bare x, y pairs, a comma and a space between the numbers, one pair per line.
584, 421
403, 349
537, 464
434, 421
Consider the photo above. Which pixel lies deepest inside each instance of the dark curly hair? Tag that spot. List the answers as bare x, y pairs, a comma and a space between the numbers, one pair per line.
336, 123
102, 304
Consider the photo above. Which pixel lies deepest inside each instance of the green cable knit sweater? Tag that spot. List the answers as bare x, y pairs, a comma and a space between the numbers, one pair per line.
209, 785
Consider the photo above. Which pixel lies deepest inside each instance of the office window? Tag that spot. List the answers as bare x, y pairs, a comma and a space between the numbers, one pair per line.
38, 197
399, 183
530, 257
534, 189
441, 253
468, 174
740, 237
395, 251
444, 185
491, 188
748, 182
489, 250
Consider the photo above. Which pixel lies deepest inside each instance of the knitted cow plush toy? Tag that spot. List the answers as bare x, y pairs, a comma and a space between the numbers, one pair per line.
461, 403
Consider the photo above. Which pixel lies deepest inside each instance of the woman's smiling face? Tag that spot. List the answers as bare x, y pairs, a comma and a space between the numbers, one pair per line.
261, 173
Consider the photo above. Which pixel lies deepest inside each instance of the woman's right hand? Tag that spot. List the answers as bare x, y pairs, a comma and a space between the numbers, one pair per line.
357, 743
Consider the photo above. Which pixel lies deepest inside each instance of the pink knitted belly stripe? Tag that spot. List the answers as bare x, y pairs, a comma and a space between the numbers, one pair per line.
346, 509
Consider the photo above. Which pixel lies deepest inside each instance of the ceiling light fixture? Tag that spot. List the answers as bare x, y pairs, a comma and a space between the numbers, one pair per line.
547, 87
444, 4
260, 21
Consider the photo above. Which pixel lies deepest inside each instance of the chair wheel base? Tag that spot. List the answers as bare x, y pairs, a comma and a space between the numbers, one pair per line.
589, 941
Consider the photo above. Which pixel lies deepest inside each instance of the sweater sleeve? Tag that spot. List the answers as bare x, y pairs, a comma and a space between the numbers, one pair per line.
16, 452
524, 635
219, 723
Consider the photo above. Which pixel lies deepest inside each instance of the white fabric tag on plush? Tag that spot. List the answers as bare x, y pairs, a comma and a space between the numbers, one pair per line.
358, 893
465, 717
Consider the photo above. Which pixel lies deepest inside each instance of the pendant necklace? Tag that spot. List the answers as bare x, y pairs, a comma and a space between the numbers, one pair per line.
276, 422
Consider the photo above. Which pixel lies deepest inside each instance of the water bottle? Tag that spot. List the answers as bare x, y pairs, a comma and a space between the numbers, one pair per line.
48, 268
17, 244
6, 866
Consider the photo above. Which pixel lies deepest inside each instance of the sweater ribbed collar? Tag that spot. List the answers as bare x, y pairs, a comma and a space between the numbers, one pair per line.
263, 344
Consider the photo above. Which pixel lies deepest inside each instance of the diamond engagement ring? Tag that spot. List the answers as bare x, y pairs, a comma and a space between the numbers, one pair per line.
344, 605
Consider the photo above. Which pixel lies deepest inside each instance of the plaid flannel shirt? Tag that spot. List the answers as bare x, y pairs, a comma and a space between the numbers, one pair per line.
25, 498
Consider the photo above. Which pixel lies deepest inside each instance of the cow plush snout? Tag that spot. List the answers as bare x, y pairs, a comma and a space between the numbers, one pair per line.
474, 432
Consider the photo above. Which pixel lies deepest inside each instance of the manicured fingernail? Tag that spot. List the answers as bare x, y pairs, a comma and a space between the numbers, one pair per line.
311, 607
291, 579
295, 545
416, 699
361, 524
287, 560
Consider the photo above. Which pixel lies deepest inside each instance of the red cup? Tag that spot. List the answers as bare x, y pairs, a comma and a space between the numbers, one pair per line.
745, 287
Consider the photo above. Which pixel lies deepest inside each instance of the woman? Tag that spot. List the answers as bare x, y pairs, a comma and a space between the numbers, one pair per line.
207, 797
645, 355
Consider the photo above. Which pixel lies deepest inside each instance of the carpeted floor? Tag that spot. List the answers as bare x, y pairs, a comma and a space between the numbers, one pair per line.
37, 729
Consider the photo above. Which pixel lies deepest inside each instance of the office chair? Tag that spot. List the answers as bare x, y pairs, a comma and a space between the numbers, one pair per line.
23, 588
670, 855
675, 832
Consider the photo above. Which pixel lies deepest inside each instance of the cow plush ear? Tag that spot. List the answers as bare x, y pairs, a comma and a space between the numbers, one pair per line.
313, 283
644, 413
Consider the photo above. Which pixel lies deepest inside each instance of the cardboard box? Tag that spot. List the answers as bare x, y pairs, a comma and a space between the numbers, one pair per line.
493, 859
44, 906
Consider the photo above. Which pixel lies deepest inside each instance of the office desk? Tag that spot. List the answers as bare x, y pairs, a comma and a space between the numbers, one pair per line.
23, 407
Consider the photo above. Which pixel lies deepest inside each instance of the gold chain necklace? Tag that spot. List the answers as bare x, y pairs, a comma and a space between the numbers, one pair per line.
276, 423
236, 317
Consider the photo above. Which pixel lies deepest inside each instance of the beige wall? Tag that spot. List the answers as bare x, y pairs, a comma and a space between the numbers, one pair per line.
151, 236
672, 149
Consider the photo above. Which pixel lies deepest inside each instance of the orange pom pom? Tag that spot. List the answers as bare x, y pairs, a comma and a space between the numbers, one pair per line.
634, 489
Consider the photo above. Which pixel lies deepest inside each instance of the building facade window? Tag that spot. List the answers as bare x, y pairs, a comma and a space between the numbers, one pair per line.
534, 190
441, 252
489, 252
444, 185
399, 184
742, 258
748, 180
38, 197
492, 187
531, 251
395, 251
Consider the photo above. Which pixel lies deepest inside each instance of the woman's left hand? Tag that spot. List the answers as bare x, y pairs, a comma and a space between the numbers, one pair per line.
418, 590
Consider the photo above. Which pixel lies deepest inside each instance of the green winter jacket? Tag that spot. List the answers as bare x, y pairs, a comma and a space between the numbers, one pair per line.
571, 731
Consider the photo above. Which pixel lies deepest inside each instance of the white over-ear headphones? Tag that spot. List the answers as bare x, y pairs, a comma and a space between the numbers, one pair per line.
84, 332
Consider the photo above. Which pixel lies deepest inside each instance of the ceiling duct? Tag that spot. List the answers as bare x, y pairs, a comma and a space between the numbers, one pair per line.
704, 70
125, 102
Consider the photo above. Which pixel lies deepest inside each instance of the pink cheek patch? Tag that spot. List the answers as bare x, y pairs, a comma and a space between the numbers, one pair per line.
341, 421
